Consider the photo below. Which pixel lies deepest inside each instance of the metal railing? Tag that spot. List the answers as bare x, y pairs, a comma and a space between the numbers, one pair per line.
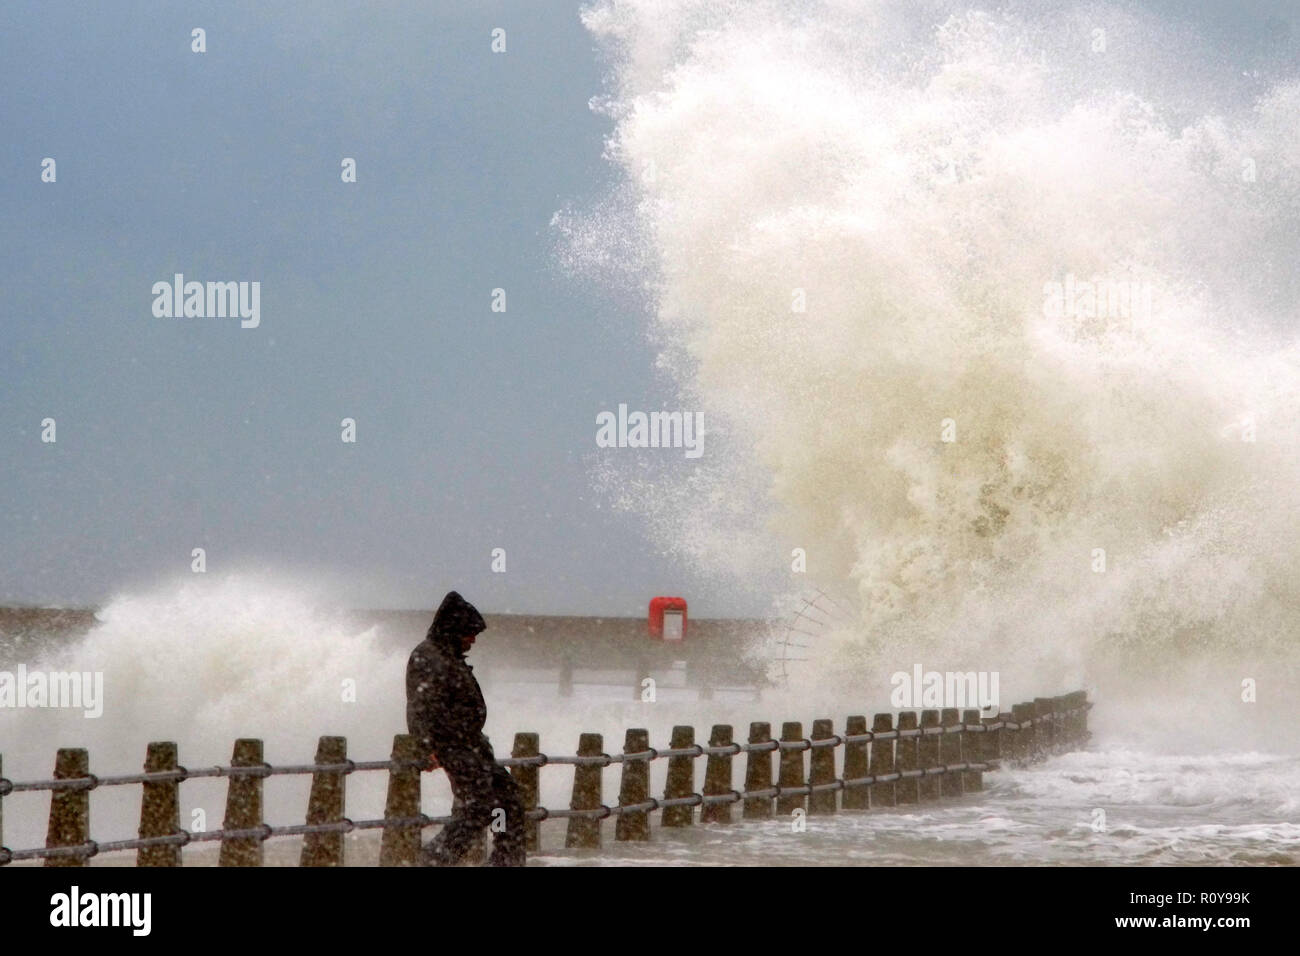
942, 754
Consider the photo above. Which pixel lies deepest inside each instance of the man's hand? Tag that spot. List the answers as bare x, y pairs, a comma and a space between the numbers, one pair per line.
433, 763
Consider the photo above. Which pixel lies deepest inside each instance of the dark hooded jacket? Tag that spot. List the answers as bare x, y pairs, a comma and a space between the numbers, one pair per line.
444, 706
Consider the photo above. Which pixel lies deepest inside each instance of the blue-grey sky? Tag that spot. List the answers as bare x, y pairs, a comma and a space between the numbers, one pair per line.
472, 426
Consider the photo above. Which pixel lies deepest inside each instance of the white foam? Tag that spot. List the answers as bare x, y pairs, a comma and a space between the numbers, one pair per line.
920, 176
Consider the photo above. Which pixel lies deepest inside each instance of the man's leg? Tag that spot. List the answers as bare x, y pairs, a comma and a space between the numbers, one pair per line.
453, 842
508, 846
473, 786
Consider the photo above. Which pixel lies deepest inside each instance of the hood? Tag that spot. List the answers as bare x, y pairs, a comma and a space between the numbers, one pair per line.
455, 618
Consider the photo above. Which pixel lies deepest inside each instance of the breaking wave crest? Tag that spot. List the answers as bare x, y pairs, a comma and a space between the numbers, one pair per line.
861, 226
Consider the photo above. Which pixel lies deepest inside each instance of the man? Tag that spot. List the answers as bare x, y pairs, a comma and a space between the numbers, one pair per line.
445, 710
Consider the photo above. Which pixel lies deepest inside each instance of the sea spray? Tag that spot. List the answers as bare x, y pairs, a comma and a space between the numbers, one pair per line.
207, 659
203, 661
852, 223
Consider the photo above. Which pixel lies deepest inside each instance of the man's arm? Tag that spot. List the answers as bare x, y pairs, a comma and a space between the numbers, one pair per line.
422, 697
439, 713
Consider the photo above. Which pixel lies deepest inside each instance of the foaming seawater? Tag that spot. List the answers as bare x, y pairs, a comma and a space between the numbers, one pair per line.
211, 659
202, 663
1109, 808
865, 231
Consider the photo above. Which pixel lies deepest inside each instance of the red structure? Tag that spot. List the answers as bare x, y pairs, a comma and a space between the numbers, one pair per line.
672, 608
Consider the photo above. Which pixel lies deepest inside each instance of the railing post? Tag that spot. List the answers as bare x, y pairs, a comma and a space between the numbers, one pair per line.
950, 752
528, 780
855, 764
69, 809
882, 762
582, 831
995, 741
160, 809
1037, 736
1022, 738
1070, 723
681, 779
821, 770
972, 751
1044, 726
717, 777
758, 773
1080, 702
400, 844
327, 804
909, 758
243, 807
791, 772
634, 788
1002, 737
928, 748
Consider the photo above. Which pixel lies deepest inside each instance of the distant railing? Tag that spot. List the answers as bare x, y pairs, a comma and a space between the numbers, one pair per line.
944, 753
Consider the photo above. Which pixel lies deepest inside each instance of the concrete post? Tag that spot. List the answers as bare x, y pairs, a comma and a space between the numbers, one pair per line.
69, 808
243, 807
400, 846
791, 764
950, 752
583, 832
821, 769
528, 779
972, 751
160, 811
882, 762
717, 777
634, 789
856, 764
681, 779
909, 758
327, 804
928, 746
758, 773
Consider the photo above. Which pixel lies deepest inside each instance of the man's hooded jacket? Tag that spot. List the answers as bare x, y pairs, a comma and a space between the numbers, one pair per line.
444, 706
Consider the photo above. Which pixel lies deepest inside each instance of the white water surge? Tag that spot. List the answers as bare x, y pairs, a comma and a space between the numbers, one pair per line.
862, 230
